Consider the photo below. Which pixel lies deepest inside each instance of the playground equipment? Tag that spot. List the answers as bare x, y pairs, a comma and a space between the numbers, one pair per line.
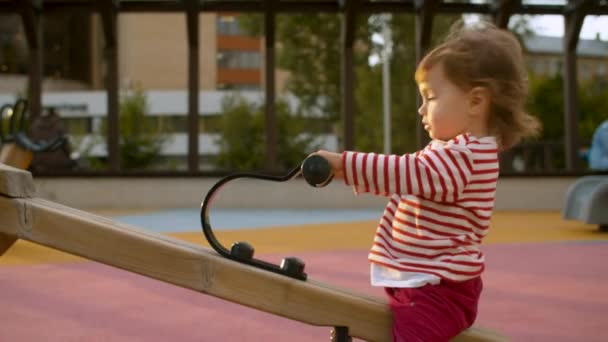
25, 216
17, 148
587, 201
316, 171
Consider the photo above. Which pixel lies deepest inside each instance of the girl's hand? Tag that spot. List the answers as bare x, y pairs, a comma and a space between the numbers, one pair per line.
335, 161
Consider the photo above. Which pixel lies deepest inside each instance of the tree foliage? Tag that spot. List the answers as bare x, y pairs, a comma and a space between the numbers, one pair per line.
546, 101
242, 140
309, 48
404, 112
140, 142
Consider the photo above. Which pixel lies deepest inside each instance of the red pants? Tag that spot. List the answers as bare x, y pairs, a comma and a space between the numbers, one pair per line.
434, 312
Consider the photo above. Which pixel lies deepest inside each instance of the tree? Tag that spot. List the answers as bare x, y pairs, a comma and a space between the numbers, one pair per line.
242, 139
404, 113
309, 48
140, 142
546, 101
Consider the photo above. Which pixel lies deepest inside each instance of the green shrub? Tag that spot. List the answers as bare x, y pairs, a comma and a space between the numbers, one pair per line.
242, 140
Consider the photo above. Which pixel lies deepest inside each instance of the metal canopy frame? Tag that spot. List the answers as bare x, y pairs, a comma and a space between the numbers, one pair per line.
30, 11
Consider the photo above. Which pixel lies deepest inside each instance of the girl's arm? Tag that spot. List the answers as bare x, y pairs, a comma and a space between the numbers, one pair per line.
438, 174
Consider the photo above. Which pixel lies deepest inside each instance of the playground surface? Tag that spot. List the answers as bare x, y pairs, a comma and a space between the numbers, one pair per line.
545, 280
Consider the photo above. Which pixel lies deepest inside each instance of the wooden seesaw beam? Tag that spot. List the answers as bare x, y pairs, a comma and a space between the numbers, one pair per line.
13, 155
191, 266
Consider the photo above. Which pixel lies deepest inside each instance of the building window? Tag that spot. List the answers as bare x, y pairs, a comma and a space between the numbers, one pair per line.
228, 25
554, 67
539, 67
601, 69
238, 59
238, 86
585, 71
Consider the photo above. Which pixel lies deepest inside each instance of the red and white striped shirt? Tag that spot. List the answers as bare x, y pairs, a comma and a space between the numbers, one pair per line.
441, 201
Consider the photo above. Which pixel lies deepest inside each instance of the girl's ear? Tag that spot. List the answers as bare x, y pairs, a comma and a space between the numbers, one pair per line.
479, 101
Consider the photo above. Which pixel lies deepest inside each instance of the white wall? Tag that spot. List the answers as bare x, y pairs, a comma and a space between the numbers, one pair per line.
160, 102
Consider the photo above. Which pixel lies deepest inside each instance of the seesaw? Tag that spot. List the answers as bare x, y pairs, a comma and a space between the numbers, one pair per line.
25, 216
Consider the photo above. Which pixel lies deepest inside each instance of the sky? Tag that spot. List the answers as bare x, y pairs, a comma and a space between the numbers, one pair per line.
548, 25
553, 25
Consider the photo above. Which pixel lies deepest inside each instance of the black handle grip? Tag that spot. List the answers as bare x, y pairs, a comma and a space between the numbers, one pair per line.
317, 171
243, 251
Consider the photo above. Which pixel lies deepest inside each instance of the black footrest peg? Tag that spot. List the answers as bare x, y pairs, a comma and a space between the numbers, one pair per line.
293, 267
241, 251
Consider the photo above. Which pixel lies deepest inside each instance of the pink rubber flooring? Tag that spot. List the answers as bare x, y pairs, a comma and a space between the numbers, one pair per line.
533, 292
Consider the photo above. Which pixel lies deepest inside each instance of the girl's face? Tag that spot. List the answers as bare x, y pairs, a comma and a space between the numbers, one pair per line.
444, 110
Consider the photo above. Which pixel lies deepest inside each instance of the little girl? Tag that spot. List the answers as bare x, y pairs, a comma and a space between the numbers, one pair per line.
426, 250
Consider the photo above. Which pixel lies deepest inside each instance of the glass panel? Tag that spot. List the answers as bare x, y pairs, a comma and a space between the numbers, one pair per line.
470, 1
168, 1
66, 53
595, 27
544, 2
238, 59
228, 25
547, 25
13, 47
153, 97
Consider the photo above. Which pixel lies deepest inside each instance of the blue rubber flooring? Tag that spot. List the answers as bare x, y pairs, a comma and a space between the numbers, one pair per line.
184, 220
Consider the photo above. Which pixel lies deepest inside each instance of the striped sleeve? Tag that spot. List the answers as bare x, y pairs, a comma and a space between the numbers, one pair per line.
439, 174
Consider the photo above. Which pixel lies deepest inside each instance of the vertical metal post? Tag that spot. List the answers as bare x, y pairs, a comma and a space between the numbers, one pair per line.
31, 16
192, 28
113, 133
424, 26
269, 86
570, 108
348, 73
386, 81
573, 20
503, 9
109, 18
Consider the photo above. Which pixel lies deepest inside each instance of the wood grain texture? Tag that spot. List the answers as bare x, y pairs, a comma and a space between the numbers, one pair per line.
15, 182
201, 269
6, 241
15, 156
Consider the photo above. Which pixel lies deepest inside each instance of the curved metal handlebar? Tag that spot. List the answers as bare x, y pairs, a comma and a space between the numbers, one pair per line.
15, 131
16, 121
317, 172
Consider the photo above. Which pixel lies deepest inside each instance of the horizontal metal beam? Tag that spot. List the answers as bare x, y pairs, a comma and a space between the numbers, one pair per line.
319, 6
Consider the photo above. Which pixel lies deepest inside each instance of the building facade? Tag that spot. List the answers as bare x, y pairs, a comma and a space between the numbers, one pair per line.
152, 53
545, 58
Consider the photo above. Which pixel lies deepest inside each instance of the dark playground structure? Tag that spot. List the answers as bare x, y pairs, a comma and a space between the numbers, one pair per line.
31, 12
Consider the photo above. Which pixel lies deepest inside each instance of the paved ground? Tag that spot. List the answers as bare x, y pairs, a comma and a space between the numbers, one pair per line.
545, 281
